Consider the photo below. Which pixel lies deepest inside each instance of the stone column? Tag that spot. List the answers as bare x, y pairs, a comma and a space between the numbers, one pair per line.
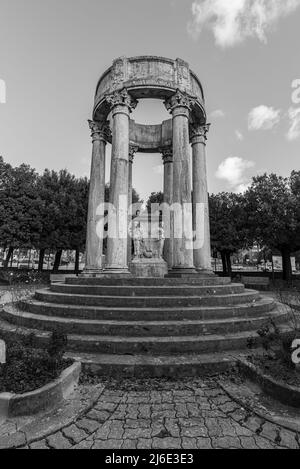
183, 263
132, 151
95, 221
167, 156
117, 261
201, 225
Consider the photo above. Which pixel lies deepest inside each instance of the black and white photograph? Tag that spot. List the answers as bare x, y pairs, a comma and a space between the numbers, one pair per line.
149, 227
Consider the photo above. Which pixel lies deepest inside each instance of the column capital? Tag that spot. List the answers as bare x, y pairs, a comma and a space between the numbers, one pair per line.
123, 99
198, 133
179, 100
133, 149
100, 130
167, 154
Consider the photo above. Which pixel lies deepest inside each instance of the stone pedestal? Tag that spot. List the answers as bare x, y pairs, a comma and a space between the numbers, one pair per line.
148, 268
150, 263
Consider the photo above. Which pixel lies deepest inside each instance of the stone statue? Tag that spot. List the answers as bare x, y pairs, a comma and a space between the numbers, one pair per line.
161, 239
138, 239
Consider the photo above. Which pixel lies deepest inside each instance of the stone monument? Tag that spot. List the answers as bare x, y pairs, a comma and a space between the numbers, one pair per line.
187, 250
120, 318
148, 239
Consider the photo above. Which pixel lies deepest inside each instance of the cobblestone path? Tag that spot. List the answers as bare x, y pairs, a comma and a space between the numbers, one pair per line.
160, 414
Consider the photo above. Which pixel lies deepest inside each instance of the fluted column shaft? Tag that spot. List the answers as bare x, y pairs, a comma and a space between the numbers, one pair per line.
132, 151
117, 260
202, 247
183, 262
95, 220
167, 155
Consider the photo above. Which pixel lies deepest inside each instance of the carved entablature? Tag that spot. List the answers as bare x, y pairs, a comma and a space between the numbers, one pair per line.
133, 149
149, 77
183, 74
119, 72
198, 133
179, 99
100, 130
121, 98
167, 154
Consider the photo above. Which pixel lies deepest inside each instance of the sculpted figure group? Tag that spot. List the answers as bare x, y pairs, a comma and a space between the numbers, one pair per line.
142, 249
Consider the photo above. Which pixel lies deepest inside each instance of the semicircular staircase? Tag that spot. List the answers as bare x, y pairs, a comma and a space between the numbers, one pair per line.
146, 327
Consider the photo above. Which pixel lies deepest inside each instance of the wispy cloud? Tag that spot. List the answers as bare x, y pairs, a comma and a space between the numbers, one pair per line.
239, 135
159, 169
294, 129
232, 22
217, 114
263, 118
233, 170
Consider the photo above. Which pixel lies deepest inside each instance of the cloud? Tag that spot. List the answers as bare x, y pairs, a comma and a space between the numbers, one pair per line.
218, 114
159, 169
239, 135
294, 130
263, 118
232, 170
232, 22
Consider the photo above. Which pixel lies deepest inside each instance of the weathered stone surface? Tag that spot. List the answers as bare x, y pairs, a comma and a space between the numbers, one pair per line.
125, 429
58, 441
74, 433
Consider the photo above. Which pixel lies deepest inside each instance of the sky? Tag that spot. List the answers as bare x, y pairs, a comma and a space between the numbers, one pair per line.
245, 52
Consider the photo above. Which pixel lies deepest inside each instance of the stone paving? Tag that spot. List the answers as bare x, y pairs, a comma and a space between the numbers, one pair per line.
161, 414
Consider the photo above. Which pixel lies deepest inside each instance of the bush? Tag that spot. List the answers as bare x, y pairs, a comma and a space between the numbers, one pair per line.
277, 343
31, 277
27, 369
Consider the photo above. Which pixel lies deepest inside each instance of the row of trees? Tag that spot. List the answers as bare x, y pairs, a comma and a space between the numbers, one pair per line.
47, 211
268, 214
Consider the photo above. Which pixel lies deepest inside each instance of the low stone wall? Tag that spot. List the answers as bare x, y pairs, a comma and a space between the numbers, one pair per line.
288, 395
16, 405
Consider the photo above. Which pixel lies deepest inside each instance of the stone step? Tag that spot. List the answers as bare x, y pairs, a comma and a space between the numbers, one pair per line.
137, 328
263, 305
136, 290
132, 281
177, 345
146, 301
146, 366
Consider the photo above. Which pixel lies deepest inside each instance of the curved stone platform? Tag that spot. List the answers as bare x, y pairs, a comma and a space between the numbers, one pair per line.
151, 326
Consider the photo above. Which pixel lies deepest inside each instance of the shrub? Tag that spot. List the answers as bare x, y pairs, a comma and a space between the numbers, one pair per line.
277, 343
31, 277
27, 368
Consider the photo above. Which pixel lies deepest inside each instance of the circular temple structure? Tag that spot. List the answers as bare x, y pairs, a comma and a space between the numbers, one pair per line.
117, 95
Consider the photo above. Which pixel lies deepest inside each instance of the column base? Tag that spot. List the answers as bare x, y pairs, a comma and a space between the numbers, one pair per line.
116, 271
206, 272
177, 272
91, 272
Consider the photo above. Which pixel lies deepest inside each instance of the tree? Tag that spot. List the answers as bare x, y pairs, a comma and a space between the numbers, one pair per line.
155, 198
273, 207
227, 223
20, 207
64, 211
